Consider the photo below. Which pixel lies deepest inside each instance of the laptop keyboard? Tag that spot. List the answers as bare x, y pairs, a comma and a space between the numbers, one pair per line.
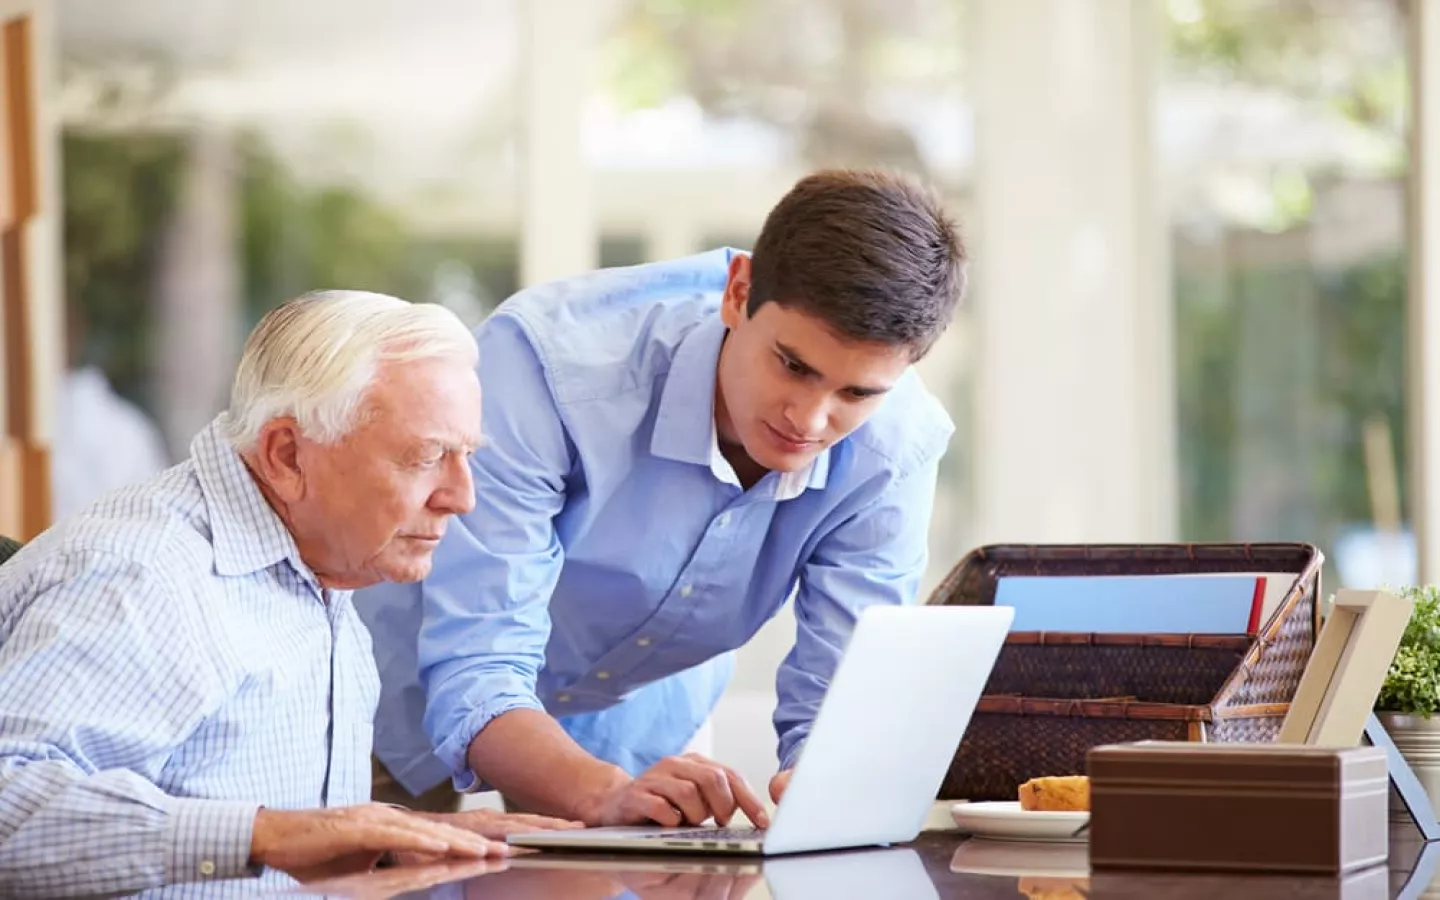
710, 834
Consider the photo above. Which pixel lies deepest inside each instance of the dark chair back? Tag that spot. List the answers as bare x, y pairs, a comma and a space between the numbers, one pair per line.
8, 547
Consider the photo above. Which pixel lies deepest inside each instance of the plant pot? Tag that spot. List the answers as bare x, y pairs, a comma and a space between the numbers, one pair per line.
1417, 738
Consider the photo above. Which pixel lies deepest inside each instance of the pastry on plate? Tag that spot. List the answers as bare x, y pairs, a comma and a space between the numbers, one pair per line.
1058, 793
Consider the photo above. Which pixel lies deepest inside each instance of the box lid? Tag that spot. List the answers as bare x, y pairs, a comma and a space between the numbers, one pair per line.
1239, 763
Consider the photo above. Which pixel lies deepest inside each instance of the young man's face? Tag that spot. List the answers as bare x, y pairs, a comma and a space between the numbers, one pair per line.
788, 386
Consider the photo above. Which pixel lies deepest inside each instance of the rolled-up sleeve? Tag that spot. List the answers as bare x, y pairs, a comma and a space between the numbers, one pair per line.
486, 601
878, 555
100, 681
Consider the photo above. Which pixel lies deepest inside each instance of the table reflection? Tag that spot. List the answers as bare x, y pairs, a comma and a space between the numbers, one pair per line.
1039, 870
896, 873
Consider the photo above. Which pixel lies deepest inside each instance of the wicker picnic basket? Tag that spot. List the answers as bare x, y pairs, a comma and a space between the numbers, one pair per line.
1052, 696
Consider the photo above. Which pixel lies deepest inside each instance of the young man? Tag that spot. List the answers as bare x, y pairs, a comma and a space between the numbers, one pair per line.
674, 449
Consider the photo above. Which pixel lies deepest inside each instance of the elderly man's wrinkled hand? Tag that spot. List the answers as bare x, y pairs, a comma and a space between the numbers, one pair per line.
307, 844
497, 826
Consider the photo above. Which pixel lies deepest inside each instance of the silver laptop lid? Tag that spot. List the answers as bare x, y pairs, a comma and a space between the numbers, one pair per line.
888, 728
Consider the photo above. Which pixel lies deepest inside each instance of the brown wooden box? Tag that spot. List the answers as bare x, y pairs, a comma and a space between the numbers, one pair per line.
1053, 696
1238, 807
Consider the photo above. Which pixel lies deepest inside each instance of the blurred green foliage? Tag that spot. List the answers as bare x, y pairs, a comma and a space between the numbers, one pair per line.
118, 194
1361, 316
1338, 53
121, 188
1327, 355
298, 238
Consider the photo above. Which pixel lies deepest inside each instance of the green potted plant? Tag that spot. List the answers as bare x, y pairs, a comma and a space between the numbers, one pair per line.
1409, 699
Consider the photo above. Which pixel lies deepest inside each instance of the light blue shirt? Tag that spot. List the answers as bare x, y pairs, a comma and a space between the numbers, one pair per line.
613, 561
168, 664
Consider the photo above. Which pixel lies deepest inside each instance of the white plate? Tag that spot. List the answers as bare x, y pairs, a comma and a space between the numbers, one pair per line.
1006, 821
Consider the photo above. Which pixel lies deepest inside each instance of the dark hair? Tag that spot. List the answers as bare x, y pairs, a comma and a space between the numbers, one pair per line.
870, 253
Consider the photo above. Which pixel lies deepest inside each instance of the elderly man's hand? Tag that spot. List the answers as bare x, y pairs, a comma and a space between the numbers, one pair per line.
497, 825
680, 790
309, 844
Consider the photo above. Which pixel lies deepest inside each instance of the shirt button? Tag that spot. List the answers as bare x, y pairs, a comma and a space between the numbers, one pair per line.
686, 590
563, 698
643, 642
723, 520
602, 675
207, 868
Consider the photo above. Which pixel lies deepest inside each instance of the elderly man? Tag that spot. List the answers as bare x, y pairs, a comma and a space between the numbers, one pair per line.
186, 692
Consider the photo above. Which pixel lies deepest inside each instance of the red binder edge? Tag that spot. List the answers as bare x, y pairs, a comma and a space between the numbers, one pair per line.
1256, 605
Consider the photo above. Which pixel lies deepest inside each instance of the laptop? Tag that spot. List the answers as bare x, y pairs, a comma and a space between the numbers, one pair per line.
880, 746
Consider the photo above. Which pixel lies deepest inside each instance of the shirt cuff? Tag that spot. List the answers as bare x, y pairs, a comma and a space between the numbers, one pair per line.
208, 840
796, 742
455, 751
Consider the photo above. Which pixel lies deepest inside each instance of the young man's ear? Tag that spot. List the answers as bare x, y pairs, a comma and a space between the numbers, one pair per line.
276, 458
737, 291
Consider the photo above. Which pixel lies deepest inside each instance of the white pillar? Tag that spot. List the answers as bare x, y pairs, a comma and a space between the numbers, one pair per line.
198, 293
558, 235
1423, 315
1074, 422
43, 241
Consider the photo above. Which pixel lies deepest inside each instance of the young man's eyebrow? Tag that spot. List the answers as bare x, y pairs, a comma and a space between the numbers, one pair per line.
793, 357
863, 390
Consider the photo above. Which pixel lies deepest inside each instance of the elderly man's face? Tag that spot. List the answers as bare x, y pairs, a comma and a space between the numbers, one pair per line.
374, 505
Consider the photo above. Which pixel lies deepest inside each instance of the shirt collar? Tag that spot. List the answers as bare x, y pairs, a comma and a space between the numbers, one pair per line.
788, 485
685, 428
247, 534
687, 401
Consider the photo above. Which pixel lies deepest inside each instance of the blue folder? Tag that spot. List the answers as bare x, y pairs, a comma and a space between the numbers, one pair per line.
1165, 604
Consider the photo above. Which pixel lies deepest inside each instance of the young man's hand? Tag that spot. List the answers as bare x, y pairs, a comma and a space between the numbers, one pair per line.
679, 790
779, 783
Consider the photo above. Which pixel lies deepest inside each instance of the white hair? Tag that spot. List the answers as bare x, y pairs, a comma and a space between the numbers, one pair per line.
314, 358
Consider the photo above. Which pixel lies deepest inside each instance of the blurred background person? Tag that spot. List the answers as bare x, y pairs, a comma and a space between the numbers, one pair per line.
102, 440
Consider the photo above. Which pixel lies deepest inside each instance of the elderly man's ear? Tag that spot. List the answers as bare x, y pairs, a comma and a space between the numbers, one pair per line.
276, 459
